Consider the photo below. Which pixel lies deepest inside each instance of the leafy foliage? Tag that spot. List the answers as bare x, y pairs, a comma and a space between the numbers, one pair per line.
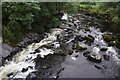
20, 18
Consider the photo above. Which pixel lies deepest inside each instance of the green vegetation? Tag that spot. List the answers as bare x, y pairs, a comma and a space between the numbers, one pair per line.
63, 53
112, 41
111, 9
78, 48
107, 37
19, 18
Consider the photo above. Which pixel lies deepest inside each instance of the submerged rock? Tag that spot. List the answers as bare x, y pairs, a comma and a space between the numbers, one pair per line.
95, 58
106, 57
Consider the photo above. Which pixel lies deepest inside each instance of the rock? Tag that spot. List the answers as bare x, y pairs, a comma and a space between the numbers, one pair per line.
98, 67
104, 49
88, 43
118, 37
118, 44
30, 67
76, 56
70, 52
78, 48
95, 58
86, 54
107, 37
24, 69
106, 57
89, 38
10, 74
78, 38
112, 43
63, 53
37, 51
44, 67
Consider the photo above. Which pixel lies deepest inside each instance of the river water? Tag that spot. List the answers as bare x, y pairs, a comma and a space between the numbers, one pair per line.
37, 60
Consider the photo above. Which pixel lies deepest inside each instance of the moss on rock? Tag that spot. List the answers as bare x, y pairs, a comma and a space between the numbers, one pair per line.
107, 37
89, 38
77, 47
63, 53
112, 43
70, 52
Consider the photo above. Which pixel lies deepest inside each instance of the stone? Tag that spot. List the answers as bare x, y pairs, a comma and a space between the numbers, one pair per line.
104, 49
70, 52
98, 67
86, 54
78, 38
106, 57
89, 38
76, 56
107, 37
112, 43
10, 74
78, 48
24, 69
63, 53
37, 51
95, 58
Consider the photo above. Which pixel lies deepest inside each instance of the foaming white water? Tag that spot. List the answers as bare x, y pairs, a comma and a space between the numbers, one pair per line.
24, 59
95, 50
97, 34
65, 16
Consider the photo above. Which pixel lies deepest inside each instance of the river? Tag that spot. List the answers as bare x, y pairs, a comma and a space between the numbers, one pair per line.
39, 60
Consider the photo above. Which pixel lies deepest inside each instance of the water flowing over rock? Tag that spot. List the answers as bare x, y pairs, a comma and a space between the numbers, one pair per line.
24, 59
77, 49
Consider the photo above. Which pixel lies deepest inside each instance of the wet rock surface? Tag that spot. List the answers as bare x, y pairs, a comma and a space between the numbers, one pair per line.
80, 51
49, 67
95, 58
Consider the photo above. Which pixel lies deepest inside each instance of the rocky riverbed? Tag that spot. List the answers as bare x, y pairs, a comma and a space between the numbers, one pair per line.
77, 49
